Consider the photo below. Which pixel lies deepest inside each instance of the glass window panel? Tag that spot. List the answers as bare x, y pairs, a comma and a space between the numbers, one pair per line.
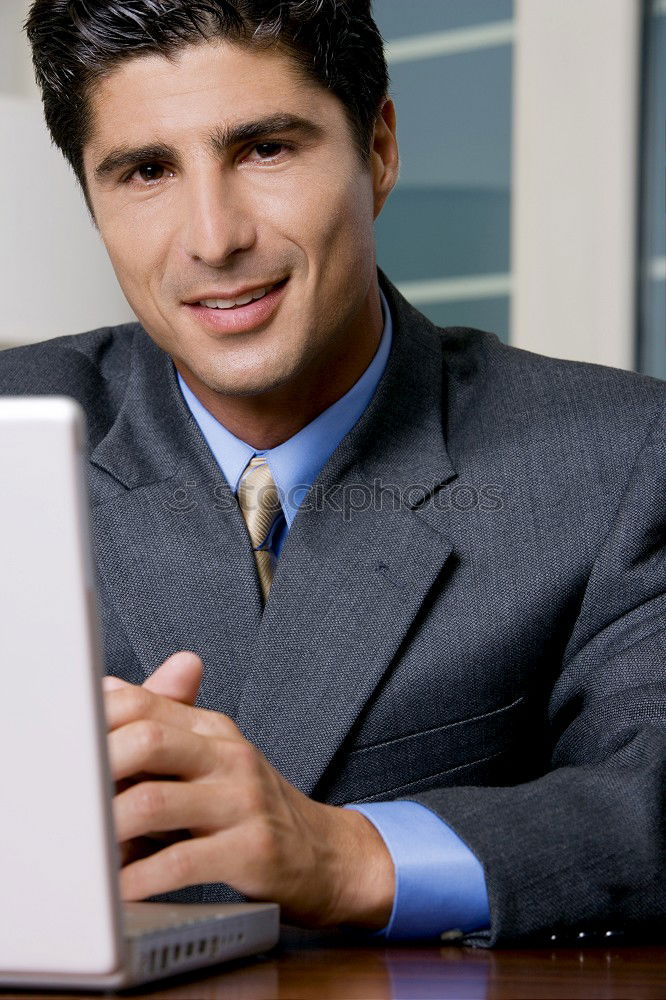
653, 345
454, 118
401, 18
652, 332
449, 215
438, 232
484, 314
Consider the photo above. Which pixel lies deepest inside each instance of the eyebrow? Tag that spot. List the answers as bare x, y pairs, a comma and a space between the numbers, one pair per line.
128, 156
221, 140
227, 136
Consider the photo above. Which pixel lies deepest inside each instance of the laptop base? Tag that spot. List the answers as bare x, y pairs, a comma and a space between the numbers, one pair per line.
167, 939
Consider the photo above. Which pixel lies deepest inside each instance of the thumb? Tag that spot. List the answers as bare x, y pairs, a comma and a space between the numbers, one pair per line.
179, 677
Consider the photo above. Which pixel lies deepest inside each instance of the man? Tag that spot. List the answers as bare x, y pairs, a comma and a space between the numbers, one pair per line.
452, 619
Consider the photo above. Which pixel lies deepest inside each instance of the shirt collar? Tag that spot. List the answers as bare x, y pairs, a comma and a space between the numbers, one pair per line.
296, 463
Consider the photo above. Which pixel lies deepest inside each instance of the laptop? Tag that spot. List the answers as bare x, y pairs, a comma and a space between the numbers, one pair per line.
62, 923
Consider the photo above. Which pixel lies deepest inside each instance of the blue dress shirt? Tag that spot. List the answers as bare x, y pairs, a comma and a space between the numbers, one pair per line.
440, 885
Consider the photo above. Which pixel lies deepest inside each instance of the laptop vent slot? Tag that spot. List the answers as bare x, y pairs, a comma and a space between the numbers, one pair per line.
172, 957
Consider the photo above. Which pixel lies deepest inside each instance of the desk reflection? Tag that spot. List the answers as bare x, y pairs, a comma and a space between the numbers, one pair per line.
311, 966
341, 970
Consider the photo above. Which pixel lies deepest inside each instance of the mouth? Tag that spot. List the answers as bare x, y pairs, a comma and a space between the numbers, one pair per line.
239, 301
240, 313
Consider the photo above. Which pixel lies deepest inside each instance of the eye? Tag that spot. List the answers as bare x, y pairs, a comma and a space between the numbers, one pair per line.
149, 173
269, 150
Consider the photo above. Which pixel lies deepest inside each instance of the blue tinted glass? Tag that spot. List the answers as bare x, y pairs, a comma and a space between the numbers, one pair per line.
441, 232
454, 119
398, 18
655, 118
653, 346
449, 215
484, 314
652, 337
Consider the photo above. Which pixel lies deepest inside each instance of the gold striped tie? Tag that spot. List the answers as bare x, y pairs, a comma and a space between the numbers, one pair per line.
259, 501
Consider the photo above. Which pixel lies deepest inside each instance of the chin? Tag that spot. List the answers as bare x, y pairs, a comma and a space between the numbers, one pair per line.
242, 384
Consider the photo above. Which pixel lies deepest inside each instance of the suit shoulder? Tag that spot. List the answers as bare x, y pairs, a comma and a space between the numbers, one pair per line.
91, 368
68, 364
521, 382
582, 422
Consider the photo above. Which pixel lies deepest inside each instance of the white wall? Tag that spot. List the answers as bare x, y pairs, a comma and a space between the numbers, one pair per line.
55, 277
15, 66
575, 209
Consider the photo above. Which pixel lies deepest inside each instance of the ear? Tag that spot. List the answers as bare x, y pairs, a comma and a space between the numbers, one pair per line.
384, 156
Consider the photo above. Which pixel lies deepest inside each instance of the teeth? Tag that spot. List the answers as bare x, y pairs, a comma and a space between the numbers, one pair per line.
242, 301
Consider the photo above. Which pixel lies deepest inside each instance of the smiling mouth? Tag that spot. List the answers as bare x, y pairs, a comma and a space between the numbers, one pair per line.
244, 300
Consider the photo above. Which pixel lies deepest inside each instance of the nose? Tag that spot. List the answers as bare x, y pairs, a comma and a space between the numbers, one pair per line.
217, 220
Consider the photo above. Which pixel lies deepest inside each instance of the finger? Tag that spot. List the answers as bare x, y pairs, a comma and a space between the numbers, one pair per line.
154, 747
179, 677
111, 683
143, 847
131, 703
153, 807
188, 862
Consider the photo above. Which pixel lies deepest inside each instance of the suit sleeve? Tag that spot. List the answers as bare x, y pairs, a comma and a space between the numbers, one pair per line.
581, 849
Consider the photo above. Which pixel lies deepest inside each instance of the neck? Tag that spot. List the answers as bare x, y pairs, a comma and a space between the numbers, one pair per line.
268, 419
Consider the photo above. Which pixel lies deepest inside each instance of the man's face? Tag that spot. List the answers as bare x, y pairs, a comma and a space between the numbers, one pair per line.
194, 216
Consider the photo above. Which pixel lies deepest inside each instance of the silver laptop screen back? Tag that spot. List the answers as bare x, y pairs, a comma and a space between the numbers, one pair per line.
58, 909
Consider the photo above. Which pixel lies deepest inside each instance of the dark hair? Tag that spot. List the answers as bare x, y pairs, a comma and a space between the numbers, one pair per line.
77, 42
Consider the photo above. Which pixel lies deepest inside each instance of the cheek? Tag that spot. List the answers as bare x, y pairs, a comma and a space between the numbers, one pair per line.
135, 243
330, 218
345, 239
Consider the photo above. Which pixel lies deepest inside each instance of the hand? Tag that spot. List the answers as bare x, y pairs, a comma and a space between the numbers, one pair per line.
181, 682
245, 824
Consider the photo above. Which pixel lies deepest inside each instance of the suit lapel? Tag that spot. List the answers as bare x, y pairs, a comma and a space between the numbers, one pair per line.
350, 583
174, 553
172, 545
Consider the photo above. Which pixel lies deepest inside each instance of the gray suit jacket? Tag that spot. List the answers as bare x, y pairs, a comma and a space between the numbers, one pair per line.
483, 633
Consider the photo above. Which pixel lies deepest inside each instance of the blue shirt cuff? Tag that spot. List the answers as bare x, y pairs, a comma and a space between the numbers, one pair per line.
439, 883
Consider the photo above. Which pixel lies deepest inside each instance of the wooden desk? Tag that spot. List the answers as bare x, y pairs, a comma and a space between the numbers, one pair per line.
309, 966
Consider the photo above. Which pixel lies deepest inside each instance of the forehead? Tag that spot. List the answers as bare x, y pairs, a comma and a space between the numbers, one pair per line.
202, 85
